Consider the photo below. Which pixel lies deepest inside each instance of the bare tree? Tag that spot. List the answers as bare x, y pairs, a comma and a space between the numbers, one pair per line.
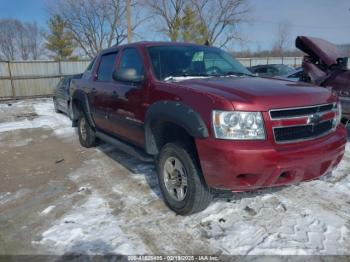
22, 40
282, 38
218, 20
222, 19
169, 12
35, 40
95, 24
19, 40
7, 39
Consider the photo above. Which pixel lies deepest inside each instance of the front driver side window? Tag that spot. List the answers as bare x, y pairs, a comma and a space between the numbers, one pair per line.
131, 59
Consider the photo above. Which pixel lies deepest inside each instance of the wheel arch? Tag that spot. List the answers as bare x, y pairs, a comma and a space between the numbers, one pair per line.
80, 104
171, 116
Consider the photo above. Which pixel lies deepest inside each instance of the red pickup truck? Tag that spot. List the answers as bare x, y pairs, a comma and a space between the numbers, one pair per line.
206, 120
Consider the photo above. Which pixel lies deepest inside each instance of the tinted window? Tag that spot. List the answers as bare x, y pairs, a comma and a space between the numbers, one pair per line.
261, 70
132, 59
106, 68
171, 61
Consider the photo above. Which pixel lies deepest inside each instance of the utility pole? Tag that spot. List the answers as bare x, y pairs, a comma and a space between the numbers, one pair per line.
128, 20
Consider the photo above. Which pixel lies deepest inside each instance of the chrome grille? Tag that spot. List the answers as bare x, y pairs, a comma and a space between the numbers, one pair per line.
314, 127
300, 111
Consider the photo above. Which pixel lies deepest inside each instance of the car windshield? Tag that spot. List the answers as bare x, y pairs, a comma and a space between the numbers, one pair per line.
193, 61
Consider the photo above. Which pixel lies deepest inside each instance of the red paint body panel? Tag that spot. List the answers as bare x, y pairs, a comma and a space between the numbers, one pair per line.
240, 166
233, 165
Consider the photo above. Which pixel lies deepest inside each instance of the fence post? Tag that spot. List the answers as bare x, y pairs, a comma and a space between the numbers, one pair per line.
11, 81
250, 62
59, 68
295, 62
282, 61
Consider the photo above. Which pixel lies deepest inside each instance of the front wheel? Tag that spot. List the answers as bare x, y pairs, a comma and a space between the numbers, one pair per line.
181, 181
86, 134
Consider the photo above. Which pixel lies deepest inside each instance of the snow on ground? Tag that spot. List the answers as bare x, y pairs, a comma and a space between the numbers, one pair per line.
122, 210
90, 229
46, 118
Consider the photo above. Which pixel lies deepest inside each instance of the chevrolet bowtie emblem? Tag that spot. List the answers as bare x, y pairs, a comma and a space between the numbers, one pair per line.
313, 119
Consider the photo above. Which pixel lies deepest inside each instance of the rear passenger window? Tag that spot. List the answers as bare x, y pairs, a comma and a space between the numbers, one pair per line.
106, 68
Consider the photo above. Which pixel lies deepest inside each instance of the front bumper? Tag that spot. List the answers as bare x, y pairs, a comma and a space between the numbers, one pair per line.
247, 165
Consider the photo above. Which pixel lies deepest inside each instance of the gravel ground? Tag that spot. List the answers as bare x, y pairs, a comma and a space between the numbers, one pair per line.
59, 198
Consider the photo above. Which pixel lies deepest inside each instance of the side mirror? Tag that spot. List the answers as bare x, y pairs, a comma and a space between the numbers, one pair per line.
127, 75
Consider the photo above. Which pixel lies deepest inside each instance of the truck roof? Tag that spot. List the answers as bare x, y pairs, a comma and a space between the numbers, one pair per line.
149, 44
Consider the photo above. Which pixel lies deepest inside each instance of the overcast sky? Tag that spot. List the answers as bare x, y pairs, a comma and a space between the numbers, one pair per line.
329, 19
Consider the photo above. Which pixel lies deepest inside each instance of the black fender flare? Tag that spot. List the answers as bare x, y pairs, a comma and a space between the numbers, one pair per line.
81, 97
177, 113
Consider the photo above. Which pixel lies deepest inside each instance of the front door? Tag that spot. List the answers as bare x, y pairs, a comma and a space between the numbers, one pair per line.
129, 100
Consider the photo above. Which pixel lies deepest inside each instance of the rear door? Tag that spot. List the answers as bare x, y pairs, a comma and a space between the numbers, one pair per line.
100, 91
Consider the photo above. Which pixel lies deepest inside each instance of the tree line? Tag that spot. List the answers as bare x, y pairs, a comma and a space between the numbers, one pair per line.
82, 28
19, 40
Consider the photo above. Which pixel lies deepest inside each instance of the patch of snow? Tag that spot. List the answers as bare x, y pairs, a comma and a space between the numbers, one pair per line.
47, 210
90, 229
4, 197
65, 132
9, 197
47, 118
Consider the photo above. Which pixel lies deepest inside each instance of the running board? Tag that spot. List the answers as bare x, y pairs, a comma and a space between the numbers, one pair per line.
125, 147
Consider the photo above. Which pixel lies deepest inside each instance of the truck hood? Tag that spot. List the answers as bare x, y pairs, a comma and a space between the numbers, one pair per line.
319, 48
261, 94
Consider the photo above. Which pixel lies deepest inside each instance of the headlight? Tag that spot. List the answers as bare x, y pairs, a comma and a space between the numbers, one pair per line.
238, 125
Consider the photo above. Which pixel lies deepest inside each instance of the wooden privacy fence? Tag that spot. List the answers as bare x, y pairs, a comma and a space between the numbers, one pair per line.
20, 79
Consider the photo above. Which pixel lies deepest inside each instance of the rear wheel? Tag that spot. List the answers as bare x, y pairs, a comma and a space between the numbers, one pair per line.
86, 134
181, 181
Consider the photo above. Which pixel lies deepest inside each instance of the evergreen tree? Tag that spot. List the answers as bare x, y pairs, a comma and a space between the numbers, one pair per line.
192, 28
59, 40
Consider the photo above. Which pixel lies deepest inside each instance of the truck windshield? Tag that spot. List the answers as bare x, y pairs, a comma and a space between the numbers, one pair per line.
195, 61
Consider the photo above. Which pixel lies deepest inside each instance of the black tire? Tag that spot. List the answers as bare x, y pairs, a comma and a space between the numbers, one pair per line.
87, 136
55, 106
198, 195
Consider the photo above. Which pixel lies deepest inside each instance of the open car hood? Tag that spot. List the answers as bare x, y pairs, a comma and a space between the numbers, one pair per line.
327, 52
